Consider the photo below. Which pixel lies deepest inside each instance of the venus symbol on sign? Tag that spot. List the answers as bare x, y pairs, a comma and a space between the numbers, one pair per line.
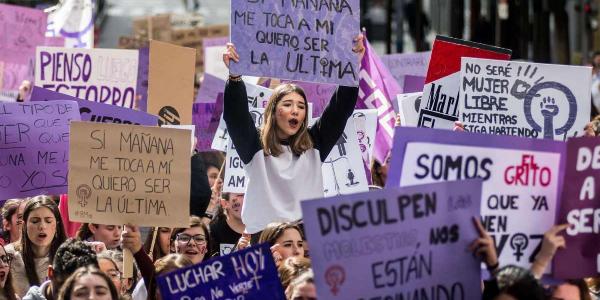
83, 192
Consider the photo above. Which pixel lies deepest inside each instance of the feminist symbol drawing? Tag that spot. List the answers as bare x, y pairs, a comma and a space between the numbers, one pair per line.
549, 109
335, 277
83, 192
519, 242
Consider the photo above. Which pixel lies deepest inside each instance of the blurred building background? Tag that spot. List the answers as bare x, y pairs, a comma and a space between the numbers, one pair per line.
556, 31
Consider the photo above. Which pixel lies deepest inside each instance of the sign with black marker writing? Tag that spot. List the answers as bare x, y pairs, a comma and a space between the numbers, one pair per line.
34, 147
521, 180
524, 99
129, 174
397, 243
297, 40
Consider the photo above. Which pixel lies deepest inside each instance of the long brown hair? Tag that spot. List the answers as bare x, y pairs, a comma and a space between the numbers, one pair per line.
300, 141
67, 288
275, 230
26, 246
157, 250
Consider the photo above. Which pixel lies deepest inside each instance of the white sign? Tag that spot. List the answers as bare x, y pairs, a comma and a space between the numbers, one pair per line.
365, 121
524, 99
102, 75
409, 106
73, 20
518, 186
343, 170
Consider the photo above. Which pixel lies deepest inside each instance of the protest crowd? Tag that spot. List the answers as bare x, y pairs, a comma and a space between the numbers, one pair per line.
282, 158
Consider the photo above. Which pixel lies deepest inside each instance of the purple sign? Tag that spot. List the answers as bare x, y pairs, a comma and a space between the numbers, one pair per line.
34, 147
98, 112
206, 117
248, 274
210, 87
521, 177
142, 82
21, 30
396, 243
297, 40
413, 84
407, 64
580, 207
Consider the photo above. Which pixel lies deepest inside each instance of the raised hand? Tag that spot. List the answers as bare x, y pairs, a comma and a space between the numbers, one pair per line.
484, 247
230, 54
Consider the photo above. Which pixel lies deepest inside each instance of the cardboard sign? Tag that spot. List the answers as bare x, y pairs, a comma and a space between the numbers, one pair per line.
134, 174
98, 112
248, 274
396, 243
365, 123
524, 99
74, 21
192, 130
171, 83
343, 169
297, 40
403, 64
21, 30
34, 147
409, 106
521, 180
439, 108
580, 207
235, 177
102, 75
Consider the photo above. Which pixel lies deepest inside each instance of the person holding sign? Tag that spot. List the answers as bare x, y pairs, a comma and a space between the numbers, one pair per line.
283, 160
42, 234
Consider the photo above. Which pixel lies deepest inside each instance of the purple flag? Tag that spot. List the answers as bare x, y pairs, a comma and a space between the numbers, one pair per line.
34, 147
377, 89
580, 207
206, 117
96, 111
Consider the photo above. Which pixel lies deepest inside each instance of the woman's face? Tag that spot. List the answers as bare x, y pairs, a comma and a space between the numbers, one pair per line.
192, 244
291, 244
4, 266
213, 174
566, 291
41, 227
164, 239
91, 286
290, 113
15, 225
110, 235
234, 205
383, 170
109, 268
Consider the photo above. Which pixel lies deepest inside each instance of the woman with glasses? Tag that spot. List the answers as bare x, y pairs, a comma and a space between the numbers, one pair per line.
6, 282
193, 242
43, 233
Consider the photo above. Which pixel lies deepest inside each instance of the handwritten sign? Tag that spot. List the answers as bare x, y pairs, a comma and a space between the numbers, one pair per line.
171, 83
74, 21
439, 108
343, 169
408, 107
102, 75
403, 64
524, 99
249, 274
520, 180
34, 147
396, 243
129, 174
580, 207
298, 40
365, 122
98, 112
235, 177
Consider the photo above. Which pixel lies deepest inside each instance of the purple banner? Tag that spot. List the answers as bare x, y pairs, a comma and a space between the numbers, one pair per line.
142, 83
21, 30
297, 40
206, 117
396, 243
34, 147
580, 207
210, 87
98, 112
522, 180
